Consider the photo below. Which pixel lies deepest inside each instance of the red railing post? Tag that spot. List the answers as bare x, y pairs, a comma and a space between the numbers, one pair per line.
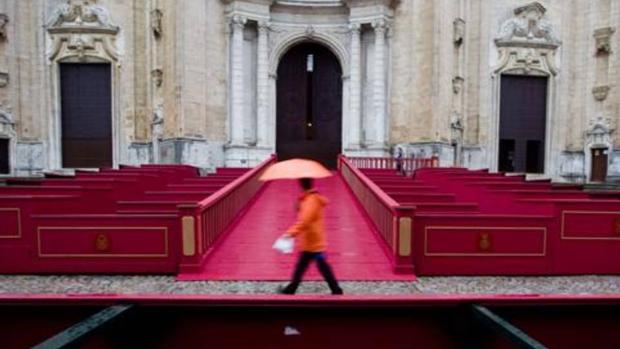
403, 240
191, 238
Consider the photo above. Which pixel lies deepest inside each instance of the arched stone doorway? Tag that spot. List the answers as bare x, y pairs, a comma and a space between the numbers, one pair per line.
309, 104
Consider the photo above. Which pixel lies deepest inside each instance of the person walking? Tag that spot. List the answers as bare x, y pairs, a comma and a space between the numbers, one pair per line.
310, 232
399, 162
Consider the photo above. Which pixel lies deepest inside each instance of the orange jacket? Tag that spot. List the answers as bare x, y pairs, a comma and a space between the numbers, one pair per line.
309, 226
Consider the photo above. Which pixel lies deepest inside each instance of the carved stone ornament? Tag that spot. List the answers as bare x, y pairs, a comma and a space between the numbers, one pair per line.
156, 22
458, 31
4, 79
599, 132
600, 92
158, 76
4, 19
602, 39
528, 27
7, 125
78, 28
457, 84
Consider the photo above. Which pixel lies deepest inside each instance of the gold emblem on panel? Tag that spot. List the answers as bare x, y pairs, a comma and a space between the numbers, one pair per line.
617, 226
484, 243
102, 242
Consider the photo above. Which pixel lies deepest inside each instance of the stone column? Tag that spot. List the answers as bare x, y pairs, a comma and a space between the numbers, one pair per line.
262, 84
378, 83
355, 88
236, 80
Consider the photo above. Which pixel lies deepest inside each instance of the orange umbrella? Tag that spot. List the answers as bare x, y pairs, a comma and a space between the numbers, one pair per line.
295, 168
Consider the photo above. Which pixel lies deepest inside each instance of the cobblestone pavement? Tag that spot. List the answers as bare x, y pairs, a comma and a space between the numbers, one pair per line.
82, 284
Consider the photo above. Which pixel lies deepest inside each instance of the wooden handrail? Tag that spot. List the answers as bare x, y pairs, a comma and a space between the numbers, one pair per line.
392, 220
204, 223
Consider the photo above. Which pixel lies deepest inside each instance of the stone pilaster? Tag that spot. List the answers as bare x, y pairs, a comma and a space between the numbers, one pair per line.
379, 100
262, 84
236, 80
355, 111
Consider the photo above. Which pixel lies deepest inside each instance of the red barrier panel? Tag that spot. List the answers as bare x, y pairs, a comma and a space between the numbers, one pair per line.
205, 222
392, 221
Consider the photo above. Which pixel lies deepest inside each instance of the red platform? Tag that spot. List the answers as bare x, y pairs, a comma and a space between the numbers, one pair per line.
355, 251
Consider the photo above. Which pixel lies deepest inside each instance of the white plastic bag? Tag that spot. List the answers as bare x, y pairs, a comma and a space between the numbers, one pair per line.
284, 244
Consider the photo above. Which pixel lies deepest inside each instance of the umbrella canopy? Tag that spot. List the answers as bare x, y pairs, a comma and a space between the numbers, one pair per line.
295, 168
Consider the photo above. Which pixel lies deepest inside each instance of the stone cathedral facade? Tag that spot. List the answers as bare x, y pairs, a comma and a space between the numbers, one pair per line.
509, 85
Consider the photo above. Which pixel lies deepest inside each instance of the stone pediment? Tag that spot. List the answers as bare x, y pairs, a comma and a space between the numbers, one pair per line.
80, 17
528, 27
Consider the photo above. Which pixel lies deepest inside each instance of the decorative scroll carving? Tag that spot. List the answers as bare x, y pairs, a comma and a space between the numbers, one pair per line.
600, 92
457, 84
599, 132
602, 39
528, 27
156, 22
4, 19
81, 29
158, 76
458, 31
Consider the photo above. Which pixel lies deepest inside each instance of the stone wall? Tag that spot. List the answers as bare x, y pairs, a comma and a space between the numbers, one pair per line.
181, 64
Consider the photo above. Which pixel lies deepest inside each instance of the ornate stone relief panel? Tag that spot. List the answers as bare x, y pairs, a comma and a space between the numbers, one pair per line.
81, 29
599, 133
527, 42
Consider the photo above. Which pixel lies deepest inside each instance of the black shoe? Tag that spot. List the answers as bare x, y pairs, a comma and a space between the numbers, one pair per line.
285, 290
338, 291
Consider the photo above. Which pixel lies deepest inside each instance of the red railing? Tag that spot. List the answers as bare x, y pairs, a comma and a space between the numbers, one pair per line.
203, 224
392, 220
409, 164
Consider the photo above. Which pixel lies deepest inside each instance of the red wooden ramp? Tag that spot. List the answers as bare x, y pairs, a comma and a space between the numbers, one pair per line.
355, 251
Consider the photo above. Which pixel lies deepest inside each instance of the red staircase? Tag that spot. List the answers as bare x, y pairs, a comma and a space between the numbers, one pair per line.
465, 222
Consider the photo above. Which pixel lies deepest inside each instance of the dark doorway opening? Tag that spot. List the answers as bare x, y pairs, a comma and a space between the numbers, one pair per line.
309, 105
4, 156
522, 124
86, 115
599, 165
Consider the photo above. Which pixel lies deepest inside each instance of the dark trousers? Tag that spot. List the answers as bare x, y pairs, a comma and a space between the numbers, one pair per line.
302, 264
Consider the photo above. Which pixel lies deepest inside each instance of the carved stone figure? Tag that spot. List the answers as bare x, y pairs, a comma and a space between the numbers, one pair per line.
4, 19
156, 22
158, 76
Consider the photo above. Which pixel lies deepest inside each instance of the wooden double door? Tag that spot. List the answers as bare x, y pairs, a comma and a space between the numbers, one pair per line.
309, 105
522, 127
86, 115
